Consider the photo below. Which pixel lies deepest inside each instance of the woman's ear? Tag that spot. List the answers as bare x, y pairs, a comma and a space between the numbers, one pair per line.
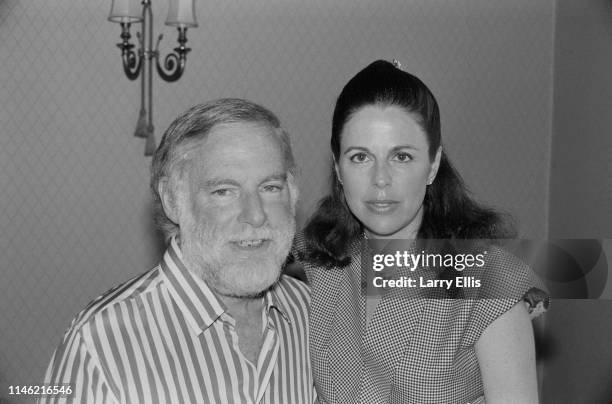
337, 170
435, 164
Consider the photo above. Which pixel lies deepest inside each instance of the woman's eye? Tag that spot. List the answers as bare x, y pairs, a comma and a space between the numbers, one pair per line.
359, 158
403, 157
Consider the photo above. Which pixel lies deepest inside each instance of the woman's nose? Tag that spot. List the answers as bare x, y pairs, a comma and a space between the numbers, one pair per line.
382, 177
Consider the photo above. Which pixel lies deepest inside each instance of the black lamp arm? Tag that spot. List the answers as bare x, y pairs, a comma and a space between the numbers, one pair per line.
174, 63
132, 62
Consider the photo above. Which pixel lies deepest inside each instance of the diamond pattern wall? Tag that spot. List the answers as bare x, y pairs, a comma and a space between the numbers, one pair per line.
75, 215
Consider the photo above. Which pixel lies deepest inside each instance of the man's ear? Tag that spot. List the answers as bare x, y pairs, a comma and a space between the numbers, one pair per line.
167, 193
294, 191
435, 164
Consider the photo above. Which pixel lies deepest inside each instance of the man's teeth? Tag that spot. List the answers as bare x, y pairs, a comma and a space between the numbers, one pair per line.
250, 243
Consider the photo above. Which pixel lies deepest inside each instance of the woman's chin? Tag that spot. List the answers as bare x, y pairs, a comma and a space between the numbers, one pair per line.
391, 225
388, 231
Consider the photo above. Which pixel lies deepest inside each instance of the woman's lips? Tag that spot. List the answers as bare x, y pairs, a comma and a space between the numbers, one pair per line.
381, 206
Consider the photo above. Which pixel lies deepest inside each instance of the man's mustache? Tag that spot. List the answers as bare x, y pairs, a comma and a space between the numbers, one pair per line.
259, 234
262, 233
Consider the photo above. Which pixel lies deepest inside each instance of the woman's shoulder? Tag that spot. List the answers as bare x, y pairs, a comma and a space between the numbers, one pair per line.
300, 257
299, 242
309, 250
316, 263
508, 277
498, 264
300, 250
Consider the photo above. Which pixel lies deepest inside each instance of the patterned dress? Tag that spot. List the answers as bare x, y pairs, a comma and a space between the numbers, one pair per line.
412, 350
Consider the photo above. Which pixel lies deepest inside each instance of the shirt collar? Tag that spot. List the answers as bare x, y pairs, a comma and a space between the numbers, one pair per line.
198, 303
276, 299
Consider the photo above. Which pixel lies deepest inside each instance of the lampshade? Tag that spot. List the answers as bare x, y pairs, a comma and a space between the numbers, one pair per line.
181, 13
126, 11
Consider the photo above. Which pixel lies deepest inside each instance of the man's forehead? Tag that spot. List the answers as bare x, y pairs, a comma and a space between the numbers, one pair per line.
232, 136
240, 150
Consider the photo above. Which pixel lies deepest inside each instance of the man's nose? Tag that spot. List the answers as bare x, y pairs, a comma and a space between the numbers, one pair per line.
381, 176
252, 211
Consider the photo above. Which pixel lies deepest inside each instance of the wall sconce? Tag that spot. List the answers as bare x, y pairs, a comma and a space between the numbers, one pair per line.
181, 14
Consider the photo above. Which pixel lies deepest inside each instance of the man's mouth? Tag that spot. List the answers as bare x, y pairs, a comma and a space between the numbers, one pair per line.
251, 244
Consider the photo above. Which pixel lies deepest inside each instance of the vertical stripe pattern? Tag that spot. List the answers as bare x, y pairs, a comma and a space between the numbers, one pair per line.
164, 337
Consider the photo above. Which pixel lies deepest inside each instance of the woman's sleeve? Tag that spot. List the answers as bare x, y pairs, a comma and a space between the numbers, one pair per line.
506, 281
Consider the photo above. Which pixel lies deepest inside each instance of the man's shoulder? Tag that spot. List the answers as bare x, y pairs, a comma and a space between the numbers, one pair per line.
135, 288
293, 294
295, 286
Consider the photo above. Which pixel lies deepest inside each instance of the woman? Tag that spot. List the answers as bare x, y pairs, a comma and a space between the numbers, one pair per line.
391, 179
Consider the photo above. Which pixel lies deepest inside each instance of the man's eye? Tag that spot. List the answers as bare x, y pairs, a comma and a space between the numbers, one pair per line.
273, 188
359, 158
221, 192
402, 157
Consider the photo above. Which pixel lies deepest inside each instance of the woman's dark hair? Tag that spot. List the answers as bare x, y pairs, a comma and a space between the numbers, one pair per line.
449, 212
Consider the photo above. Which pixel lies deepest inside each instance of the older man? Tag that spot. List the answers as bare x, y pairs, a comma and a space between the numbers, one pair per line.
215, 321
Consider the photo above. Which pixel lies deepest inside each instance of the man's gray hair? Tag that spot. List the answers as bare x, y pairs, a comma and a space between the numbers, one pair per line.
195, 124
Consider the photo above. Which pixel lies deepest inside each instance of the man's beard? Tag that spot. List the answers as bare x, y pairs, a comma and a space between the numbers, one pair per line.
207, 251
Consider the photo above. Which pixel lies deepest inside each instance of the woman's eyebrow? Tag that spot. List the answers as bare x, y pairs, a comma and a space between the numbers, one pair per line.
394, 149
408, 146
359, 148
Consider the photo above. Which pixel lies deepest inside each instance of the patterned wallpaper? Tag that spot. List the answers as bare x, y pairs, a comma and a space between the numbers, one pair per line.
75, 215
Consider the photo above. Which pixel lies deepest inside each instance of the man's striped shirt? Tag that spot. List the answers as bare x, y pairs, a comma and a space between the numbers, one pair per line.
164, 337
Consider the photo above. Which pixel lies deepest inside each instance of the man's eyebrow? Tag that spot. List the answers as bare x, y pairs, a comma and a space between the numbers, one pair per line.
276, 177
215, 182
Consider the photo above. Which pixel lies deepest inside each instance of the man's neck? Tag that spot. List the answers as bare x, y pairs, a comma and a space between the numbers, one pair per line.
247, 312
240, 307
